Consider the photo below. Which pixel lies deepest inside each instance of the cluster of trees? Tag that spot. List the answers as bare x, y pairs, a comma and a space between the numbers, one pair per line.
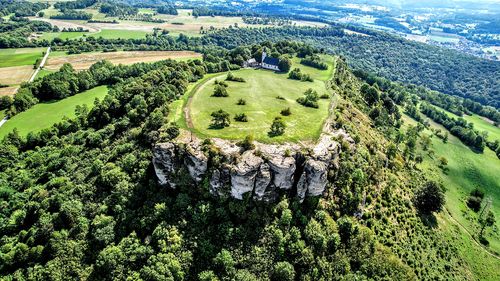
296, 74
116, 9
167, 8
263, 20
15, 34
76, 4
143, 17
21, 8
314, 61
72, 15
230, 77
310, 98
458, 127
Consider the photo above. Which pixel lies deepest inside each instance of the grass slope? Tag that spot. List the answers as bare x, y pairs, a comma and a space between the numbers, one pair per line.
19, 57
466, 170
260, 91
44, 115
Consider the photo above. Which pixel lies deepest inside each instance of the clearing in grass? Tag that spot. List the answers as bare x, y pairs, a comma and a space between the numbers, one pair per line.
44, 115
266, 95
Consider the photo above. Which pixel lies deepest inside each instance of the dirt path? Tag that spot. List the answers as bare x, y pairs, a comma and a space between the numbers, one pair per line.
187, 112
470, 235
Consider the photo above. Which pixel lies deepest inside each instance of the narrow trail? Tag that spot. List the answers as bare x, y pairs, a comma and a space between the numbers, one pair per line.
471, 236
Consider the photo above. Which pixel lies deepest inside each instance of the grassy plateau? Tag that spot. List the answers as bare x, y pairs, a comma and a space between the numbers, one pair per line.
261, 90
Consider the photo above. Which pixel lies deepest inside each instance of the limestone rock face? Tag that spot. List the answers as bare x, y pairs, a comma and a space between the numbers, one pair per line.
196, 162
244, 173
164, 162
262, 173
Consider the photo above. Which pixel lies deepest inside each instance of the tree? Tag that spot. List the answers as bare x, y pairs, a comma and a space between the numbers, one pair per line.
277, 127
220, 119
429, 198
283, 271
370, 93
241, 117
487, 221
284, 64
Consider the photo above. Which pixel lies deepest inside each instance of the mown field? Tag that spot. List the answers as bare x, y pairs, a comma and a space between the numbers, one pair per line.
20, 57
465, 171
84, 61
260, 91
44, 115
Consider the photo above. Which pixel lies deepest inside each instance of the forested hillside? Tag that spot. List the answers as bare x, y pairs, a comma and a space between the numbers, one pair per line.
397, 59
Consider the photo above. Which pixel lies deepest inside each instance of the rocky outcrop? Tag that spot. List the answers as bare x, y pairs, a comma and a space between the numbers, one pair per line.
264, 172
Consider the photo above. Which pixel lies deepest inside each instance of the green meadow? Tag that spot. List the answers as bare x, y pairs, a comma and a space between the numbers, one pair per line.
119, 34
44, 115
261, 90
19, 57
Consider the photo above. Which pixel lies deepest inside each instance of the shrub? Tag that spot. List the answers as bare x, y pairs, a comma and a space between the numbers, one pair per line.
295, 74
310, 99
220, 91
221, 83
306, 78
241, 117
280, 97
220, 119
286, 112
277, 127
241, 102
324, 96
314, 61
247, 143
231, 77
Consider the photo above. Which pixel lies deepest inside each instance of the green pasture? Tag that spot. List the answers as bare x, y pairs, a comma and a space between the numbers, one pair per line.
119, 34
44, 115
19, 57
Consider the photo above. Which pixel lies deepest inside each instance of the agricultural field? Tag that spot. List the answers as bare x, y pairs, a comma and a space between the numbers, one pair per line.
48, 113
20, 57
466, 170
15, 75
260, 90
84, 61
184, 23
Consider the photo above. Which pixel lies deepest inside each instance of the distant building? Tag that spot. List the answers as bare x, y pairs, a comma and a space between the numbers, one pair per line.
267, 62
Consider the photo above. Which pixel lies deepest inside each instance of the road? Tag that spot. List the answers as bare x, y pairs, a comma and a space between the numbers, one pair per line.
32, 78
44, 60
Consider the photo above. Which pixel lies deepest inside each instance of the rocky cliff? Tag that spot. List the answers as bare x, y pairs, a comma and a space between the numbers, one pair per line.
262, 172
